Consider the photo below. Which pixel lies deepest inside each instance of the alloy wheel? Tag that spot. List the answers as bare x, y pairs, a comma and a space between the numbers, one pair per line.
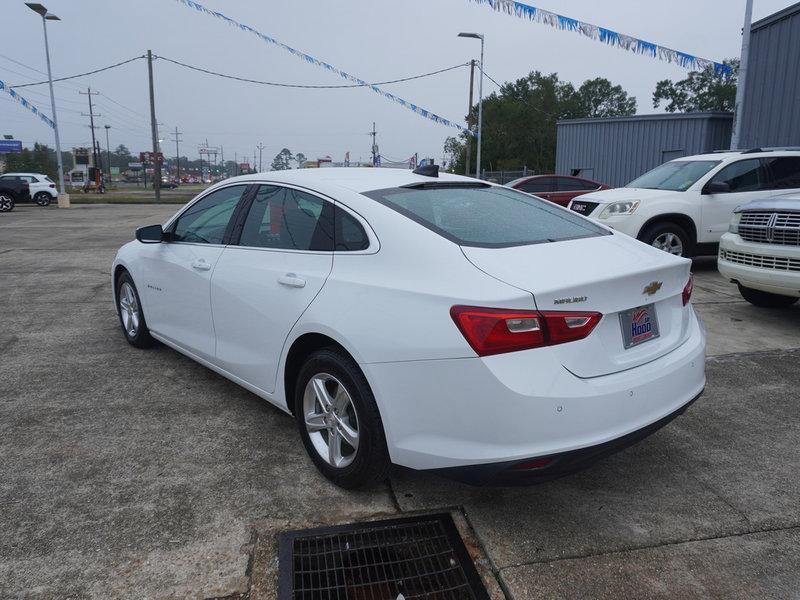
669, 242
42, 199
129, 309
331, 420
6, 203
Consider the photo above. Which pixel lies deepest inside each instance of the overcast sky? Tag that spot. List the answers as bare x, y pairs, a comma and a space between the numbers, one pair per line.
372, 39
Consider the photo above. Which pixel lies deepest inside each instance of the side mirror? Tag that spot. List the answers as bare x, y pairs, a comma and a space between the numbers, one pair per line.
718, 187
151, 234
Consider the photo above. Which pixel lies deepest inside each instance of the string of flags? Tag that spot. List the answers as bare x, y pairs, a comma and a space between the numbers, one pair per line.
26, 103
423, 112
606, 36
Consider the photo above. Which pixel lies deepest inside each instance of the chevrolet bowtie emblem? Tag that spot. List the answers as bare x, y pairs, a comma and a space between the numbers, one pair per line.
652, 287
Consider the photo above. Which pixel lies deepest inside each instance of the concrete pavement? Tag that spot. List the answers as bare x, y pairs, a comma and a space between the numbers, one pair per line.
140, 473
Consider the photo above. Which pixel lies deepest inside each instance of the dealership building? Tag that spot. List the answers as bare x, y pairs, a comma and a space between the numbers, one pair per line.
617, 150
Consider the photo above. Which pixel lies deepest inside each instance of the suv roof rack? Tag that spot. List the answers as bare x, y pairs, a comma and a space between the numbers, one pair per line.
773, 149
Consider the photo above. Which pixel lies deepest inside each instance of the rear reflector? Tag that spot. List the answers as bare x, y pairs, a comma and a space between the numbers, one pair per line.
687, 291
532, 465
496, 330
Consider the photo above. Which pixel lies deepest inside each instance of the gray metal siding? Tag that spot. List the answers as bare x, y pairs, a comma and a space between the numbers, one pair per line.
771, 115
620, 149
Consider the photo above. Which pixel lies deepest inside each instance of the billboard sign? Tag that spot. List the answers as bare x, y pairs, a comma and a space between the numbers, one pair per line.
10, 146
147, 157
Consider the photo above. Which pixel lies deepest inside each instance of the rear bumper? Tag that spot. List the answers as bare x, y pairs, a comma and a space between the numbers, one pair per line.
509, 408
555, 465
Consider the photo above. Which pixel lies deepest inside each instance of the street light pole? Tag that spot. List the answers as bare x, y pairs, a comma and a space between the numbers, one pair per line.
478, 36
63, 197
108, 152
741, 81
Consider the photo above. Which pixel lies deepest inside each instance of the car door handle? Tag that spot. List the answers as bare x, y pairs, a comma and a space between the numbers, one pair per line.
201, 265
292, 280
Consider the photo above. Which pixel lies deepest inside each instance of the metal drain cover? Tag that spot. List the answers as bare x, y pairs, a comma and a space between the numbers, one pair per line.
419, 557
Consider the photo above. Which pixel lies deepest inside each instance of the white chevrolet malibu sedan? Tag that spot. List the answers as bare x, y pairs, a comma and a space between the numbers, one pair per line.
430, 321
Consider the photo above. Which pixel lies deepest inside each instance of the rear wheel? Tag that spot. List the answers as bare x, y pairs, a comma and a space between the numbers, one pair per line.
131, 316
668, 237
6, 203
339, 421
765, 299
42, 199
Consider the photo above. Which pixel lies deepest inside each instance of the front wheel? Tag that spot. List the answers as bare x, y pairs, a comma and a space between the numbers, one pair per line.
131, 316
339, 421
765, 299
668, 237
6, 203
42, 199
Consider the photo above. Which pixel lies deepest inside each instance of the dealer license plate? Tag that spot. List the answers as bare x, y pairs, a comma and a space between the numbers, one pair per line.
639, 325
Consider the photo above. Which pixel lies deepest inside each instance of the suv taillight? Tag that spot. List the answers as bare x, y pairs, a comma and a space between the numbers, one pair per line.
496, 330
687, 291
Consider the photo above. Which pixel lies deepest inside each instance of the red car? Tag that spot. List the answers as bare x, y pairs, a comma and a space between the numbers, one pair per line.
559, 189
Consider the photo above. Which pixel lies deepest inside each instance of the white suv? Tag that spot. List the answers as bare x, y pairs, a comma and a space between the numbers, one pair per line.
43, 189
761, 252
684, 206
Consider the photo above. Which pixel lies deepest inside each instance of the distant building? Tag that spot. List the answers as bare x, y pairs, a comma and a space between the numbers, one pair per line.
617, 150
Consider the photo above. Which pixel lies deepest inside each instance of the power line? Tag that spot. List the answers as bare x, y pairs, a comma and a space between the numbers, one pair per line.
114, 66
318, 87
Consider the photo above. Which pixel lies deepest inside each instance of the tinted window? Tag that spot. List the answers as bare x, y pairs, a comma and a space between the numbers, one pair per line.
743, 176
206, 220
564, 184
540, 184
349, 233
287, 219
589, 185
784, 172
677, 176
492, 217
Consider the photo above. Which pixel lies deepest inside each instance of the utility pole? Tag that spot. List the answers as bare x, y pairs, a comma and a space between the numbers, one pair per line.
260, 148
253, 168
154, 129
236, 160
469, 115
91, 115
108, 152
742, 79
177, 141
374, 134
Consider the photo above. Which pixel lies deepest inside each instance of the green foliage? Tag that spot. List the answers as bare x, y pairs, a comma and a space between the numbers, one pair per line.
700, 91
39, 160
519, 122
282, 160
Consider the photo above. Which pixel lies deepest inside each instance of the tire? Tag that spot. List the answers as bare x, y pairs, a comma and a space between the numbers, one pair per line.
765, 299
42, 199
6, 203
669, 237
131, 316
361, 464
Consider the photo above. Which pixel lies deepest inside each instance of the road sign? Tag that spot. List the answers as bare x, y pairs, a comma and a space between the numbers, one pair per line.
147, 157
134, 165
10, 146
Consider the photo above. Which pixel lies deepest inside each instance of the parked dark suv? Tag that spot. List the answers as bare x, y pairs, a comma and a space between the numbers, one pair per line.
13, 191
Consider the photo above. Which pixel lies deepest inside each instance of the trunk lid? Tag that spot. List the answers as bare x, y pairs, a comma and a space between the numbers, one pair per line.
605, 274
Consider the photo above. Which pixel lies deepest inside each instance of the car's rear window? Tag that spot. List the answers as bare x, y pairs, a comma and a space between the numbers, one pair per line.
486, 216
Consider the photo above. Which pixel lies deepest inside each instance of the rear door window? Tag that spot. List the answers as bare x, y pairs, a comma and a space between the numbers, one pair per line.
539, 185
784, 172
486, 216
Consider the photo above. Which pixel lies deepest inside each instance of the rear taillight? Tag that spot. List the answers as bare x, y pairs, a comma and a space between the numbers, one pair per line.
687, 291
496, 330
52, 185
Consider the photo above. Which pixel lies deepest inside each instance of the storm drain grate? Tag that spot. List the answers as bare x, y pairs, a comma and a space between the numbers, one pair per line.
419, 557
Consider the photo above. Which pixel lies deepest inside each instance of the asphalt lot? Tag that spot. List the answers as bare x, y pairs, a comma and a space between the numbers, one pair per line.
130, 473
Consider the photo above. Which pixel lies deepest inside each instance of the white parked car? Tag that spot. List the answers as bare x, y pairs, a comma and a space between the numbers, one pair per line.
434, 322
684, 206
43, 189
761, 252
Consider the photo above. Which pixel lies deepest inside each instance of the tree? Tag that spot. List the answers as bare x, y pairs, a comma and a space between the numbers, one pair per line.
282, 160
700, 91
42, 159
519, 121
300, 158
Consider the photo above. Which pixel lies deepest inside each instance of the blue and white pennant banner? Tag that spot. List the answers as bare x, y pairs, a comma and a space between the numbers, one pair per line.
612, 38
26, 103
423, 112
